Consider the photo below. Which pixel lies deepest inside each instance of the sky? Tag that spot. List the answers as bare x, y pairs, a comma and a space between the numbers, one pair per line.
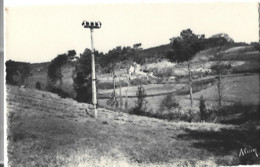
39, 33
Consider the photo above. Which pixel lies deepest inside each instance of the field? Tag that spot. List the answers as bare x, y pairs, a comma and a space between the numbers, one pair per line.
238, 88
45, 130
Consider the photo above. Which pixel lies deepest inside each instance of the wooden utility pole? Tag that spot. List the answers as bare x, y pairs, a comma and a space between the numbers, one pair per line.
220, 84
220, 91
190, 85
126, 93
120, 93
114, 83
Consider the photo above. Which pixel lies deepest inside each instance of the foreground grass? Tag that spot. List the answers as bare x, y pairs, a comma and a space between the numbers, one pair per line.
45, 130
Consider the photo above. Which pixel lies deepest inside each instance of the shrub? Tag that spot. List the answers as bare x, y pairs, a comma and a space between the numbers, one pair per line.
236, 113
82, 82
54, 68
223, 68
59, 92
188, 116
113, 100
169, 102
203, 110
178, 114
20, 69
140, 103
139, 81
38, 85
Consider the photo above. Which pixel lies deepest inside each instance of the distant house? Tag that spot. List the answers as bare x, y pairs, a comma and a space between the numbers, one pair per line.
131, 70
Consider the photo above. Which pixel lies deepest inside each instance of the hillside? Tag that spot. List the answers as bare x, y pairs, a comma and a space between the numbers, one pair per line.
45, 130
156, 52
163, 77
236, 53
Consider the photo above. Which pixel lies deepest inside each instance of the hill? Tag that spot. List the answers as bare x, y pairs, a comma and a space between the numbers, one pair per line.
157, 52
233, 53
240, 59
45, 130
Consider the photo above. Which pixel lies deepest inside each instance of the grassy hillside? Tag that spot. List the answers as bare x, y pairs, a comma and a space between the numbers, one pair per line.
45, 130
237, 53
238, 88
156, 52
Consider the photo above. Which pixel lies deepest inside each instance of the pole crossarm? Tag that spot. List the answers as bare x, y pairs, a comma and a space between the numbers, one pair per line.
92, 24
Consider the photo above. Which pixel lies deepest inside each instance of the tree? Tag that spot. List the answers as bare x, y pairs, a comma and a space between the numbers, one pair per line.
21, 69
220, 69
38, 85
82, 78
185, 46
169, 102
190, 85
120, 54
116, 58
11, 70
54, 69
224, 37
113, 100
203, 110
140, 103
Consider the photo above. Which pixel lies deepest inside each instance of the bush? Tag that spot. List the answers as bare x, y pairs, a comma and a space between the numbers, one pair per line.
169, 102
140, 108
139, 81
237, 113
113, 100
20, 69
203, 110
177, 114
223, 68
54, 68
59, 92
82, 82
189, 116
38, 85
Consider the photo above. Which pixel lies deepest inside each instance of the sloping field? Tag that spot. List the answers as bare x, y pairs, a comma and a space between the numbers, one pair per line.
45, 130
243, 88
237, 53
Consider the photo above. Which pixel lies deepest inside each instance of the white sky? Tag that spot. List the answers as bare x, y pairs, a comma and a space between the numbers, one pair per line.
40, 33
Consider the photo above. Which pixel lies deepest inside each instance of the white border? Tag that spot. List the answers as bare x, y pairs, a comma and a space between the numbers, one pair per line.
8, 3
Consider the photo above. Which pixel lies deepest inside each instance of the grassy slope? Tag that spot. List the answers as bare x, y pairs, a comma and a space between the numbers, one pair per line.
39, 74
237, 53
45, 130
244, 89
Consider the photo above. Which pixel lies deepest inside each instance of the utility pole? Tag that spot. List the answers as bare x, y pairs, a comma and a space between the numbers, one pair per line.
190, 84
91, 26
120, 93
126, 91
